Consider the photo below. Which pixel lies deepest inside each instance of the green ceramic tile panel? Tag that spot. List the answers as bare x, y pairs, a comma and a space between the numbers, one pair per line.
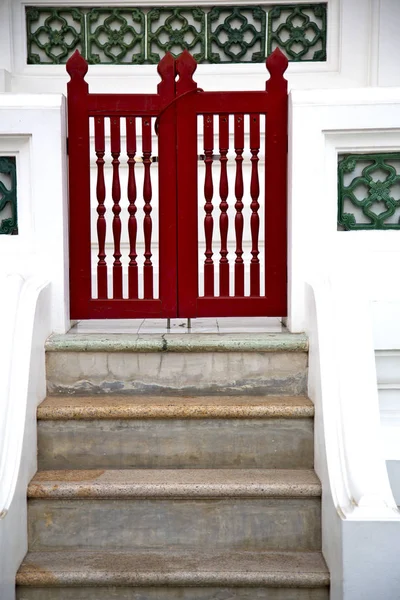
139, 35
369, 191
299, 30
174, 30
53, 34
236, 34
116, 36
8, 196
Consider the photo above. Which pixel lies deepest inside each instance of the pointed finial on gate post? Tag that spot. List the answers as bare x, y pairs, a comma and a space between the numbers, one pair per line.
166, 70
77, 66
277, 63
185, 68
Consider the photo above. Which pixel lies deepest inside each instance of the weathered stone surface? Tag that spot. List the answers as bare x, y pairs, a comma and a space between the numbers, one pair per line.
196, 342
63, 408
176, 443
239, 373
172, 593
270, 524
302, 570
174, 483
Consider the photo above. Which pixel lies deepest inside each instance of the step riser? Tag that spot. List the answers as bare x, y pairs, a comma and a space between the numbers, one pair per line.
177, 373
176, 443
231, 524
170, 593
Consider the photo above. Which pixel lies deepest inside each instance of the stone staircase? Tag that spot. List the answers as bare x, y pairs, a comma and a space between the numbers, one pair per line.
175, 467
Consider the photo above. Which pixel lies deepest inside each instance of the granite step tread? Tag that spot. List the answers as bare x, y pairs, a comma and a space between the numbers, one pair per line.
174, 483
197, 342
234, 569
62, 408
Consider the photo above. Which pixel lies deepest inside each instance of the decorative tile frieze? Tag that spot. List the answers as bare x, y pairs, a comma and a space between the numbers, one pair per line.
8, 196
299, 31
236, 34
369, 191
116, 36
53, 34
215, 34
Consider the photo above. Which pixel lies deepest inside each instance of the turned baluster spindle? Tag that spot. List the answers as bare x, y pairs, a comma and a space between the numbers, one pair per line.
223, 192
99, 144
147, 208
116, 196
239, 147
132, 195
208, 129
254, 193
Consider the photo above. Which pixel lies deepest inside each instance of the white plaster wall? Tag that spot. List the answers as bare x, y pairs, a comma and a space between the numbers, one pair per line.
357, 53
32, 128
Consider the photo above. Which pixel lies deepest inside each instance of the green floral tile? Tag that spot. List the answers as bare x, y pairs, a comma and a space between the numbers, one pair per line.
299, 31
369, 191
116, 36
53, 34
8, 196
236, 34
174, 30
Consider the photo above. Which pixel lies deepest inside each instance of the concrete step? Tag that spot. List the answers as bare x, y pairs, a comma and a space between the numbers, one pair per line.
171, 576
117, 432
194, 364
152, 509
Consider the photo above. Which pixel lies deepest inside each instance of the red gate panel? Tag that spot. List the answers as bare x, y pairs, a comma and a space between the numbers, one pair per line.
229, 123
114, 297
220, 218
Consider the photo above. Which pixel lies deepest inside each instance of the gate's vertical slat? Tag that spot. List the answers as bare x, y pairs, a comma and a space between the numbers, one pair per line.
147, 196
254, 193
187, 187
223, 192
239, 147
99, 144
167, 192
208, 131
132, 221
276, 185
116, 196
79, 188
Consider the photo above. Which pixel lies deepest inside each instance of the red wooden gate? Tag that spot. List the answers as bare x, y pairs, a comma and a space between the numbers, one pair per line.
119, 128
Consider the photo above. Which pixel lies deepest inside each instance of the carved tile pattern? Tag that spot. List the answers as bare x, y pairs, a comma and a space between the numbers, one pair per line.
174, 30
236, 34
116, 36
299, 31
216, 34
53, 34
8, 196
369, 191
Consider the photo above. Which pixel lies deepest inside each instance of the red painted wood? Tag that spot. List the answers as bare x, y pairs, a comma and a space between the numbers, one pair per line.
116, 196
187, 187
239, 147
176, 106
255, 193
208, 134
79, 188
223, 192
275, 183
147, 196
167, 193
132, 209
99, 144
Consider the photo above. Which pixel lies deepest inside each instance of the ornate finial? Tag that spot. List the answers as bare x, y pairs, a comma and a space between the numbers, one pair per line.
77, 66
166, 70
185, 68
277, 63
